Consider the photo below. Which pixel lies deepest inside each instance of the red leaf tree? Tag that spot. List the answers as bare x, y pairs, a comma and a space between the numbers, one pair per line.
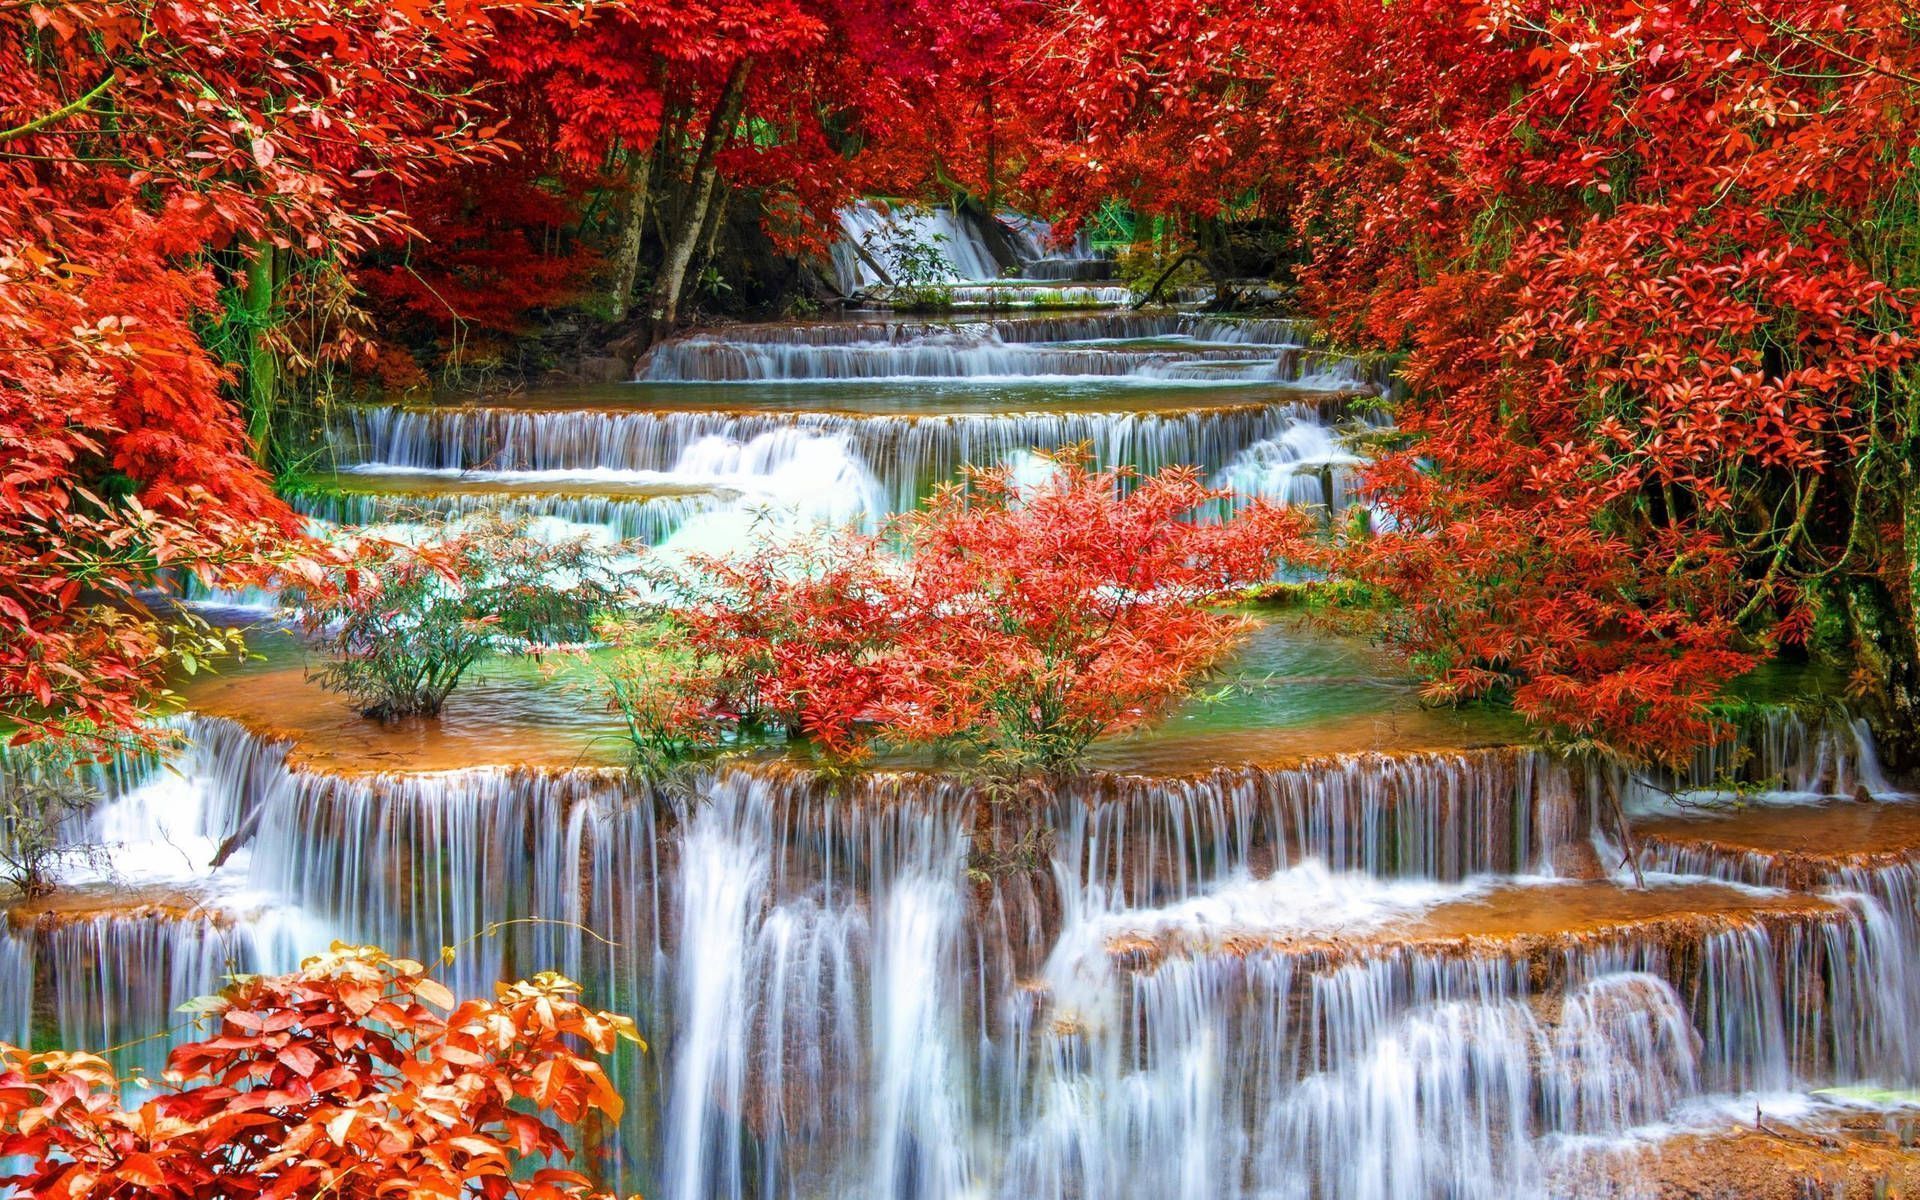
147, 154
1021, 621
1652, 268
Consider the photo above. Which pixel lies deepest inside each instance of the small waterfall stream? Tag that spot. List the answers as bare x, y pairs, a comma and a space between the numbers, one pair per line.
1013, 265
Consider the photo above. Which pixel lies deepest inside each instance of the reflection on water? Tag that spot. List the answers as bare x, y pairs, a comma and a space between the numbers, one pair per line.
1290, 693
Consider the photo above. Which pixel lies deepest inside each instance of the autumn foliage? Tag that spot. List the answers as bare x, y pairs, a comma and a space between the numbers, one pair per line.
1018, 621
153, 161
118, 461
358, 1075
1651, 267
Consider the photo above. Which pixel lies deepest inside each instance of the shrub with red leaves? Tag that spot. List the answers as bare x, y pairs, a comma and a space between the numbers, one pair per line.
357, 1077
1021, 622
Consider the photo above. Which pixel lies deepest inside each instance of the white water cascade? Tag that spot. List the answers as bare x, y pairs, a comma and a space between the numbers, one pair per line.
1244, 401
937, 227
1012, 265
1313, 943
1248, 983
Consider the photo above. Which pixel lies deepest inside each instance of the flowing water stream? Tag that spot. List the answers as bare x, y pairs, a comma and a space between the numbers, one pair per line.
1311, 941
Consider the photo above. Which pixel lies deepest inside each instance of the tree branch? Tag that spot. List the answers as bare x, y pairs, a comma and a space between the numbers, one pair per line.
64, 111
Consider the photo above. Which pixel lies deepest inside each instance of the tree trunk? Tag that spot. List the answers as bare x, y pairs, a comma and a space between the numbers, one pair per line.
1885, 653
710, 232
998, 240
1153, 292
663, 306
873, 264
1213, 248
633, 233
263, 370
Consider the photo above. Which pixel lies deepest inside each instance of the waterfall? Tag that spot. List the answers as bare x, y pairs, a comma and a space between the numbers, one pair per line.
1306, 464
1350, 1047
962, 246
1145, 326
1110, 346
1355, 976
648, 519
1015, 294
937, 227
906, 455
975, 352
417, 863
725, 866
1142, 840
1040, 259
720, 441
1777, 756
1427, 973
17, 982
116, 980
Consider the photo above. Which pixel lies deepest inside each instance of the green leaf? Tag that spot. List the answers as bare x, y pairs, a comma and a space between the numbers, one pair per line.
203, 1004
1863, 1094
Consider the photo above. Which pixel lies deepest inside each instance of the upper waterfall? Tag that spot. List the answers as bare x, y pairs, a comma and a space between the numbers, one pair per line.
1162, 349
884, 246
737, 419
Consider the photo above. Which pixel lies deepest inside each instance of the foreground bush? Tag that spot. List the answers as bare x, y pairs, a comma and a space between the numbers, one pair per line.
1017, 623
402, 625
355, 1077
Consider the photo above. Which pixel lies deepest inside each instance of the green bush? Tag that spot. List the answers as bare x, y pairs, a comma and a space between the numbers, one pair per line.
42, 793
401, 624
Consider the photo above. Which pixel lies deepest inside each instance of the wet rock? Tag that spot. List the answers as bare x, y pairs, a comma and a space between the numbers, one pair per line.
605, 368
1774, 1161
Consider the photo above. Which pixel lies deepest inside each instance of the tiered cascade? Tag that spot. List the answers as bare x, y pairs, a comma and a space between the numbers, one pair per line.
1367, 975
1237, 961
856, 420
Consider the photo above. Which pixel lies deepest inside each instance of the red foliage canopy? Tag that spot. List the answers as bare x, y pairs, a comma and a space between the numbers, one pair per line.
134, 139
1648, 262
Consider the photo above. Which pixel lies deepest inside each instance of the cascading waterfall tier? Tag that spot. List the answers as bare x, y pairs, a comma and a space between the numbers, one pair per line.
371, 499
905, 455
958, 240
1051, 327
1363, 976
1017, 293
960, 354
1383, 1040
724, 434
1162, 347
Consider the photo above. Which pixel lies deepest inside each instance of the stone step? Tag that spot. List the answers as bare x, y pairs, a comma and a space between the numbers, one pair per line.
1839, 1153
1835, 843
1549, 927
